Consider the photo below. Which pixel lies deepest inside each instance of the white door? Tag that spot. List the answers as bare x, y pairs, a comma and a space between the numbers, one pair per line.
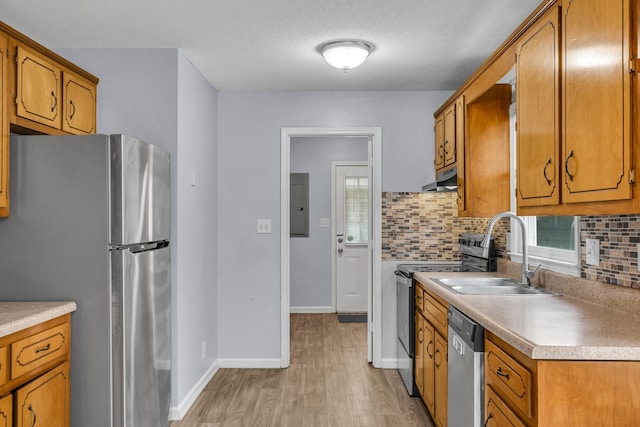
352, 237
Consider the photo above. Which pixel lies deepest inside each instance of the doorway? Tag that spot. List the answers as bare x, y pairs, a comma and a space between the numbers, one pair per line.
374, 138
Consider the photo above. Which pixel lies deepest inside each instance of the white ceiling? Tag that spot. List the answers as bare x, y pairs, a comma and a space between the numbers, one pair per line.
271, 45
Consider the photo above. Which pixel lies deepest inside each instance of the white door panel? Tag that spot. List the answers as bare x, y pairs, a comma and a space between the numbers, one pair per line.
352, 238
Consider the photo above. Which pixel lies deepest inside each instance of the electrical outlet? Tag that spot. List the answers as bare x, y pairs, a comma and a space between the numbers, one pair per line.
592, 247
324, 222
204, 349
263, 226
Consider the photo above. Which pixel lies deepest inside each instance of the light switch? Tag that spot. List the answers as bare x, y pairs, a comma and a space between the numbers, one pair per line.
592, 247
324, 222
263, 226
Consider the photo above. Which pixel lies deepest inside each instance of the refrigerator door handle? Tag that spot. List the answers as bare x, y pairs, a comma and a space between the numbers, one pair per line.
141, 247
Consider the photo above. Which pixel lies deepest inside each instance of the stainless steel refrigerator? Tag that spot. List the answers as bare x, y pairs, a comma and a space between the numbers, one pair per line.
90, 222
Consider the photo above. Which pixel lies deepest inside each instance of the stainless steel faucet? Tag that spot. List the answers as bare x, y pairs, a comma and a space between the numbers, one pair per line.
526, 275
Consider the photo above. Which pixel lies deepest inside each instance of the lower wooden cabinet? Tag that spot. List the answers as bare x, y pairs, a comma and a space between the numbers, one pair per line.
34, 375
441, 380
6, 411
432, 359
419, 353
520, 391
45, 400
497, 413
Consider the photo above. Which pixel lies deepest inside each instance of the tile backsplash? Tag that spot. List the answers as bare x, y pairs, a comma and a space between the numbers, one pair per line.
426, 226
618, 236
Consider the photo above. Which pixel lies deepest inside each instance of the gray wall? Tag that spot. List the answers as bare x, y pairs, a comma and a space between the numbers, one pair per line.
249, 127
158, 96
310, 259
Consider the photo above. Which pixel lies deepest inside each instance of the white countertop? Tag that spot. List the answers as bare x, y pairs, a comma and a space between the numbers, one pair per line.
16, 316
546, 326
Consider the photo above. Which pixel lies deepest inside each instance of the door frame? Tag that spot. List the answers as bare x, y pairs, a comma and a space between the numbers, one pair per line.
374, 135
334, 217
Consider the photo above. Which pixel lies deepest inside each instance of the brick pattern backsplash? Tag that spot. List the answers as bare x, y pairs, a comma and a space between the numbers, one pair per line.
618, 236
426, 226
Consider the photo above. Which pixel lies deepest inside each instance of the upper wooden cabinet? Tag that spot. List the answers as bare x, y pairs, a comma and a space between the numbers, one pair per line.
538, 113
596, 100
445, 138
574, 121
576, 134
439, 142
79, 104
460, 135
486, 153
4, 126
41, 93
38, 88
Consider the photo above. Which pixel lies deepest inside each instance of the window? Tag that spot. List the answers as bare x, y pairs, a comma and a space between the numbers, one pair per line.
553, 242
356, 210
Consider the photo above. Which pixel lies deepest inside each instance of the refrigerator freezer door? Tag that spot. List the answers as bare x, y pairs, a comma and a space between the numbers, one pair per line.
140, 192
141, 313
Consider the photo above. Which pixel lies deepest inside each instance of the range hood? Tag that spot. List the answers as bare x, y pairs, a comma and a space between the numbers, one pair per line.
445, 181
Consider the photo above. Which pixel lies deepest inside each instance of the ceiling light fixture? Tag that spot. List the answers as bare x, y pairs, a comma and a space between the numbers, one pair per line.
345, 54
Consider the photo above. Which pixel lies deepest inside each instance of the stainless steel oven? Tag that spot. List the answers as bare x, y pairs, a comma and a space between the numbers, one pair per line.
470, 260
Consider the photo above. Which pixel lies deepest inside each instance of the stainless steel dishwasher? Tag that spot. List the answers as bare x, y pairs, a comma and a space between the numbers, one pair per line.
465, 371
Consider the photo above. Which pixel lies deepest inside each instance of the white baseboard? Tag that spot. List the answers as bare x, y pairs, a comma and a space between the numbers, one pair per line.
178, 412
249, 363
389, 364
311, 310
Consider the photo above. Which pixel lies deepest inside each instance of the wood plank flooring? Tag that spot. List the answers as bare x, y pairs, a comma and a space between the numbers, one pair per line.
329, 383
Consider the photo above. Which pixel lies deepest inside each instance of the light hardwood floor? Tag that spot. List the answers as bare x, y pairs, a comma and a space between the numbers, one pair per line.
329, 383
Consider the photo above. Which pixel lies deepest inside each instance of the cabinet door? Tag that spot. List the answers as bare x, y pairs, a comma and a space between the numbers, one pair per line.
6, 411
439, 142
4, 133
428, 396
45, 400
441, 388
596, 100
450, 135
418, 357
79, 104
538, 113
39, 86
460, 151
497, 413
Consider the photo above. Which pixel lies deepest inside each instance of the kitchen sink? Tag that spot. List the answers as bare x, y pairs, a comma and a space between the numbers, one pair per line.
488, 286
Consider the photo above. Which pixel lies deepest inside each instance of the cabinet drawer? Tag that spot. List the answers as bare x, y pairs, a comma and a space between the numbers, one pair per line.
6, 411
39, 349
437, 314
497, 413
508, 378
419, 298
3, 366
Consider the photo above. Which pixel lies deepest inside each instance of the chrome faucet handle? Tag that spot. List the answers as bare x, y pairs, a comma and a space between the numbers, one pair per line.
531, 274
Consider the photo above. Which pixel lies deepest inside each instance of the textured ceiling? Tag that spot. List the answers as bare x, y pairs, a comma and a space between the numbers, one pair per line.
271, 45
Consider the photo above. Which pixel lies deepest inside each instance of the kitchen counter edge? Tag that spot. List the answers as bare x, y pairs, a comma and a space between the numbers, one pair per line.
613, 339
18, 315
